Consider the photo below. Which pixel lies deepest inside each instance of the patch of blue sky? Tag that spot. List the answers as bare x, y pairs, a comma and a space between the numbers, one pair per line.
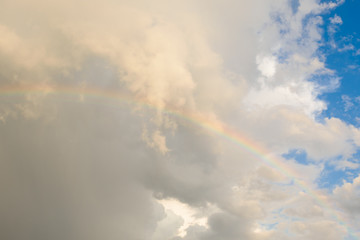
332, 177
341, 51
294, 4
299, 155
268, 226
280, 216
337, 171
341, 48
282, 56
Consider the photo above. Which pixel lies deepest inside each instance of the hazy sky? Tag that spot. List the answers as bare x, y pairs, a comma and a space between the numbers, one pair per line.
170, 120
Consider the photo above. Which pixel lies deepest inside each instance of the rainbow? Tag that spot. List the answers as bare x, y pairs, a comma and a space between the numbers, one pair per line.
209, 124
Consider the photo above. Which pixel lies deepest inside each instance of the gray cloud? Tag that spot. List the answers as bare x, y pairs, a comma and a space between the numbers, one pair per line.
74, 165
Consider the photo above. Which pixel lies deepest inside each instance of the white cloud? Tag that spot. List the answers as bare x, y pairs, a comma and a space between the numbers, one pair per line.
346, 164
190, 216
347, 47
348, 104
345, 196
336, 20
266, 65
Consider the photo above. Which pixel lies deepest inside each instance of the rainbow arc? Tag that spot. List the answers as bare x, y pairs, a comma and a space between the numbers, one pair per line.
200, 120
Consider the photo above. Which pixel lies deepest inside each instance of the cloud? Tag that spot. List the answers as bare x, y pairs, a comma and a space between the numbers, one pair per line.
346, 194
348, 104
78, 188
346, 164
168, 227
77, 162
267, 66
336, 20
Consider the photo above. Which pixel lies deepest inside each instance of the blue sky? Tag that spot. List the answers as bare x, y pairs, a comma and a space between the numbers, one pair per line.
341, 49
344, 58
339, 46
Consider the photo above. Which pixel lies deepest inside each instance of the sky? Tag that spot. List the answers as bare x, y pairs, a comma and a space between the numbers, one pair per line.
180, 120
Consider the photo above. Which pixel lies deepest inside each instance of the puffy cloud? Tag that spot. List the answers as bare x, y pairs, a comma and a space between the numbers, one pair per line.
291, 129
347, 193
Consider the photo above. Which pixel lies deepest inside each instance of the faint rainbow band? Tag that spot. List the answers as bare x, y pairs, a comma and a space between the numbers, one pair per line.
200, 120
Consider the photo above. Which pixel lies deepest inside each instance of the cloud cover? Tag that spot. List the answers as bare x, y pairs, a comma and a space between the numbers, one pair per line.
79, 166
